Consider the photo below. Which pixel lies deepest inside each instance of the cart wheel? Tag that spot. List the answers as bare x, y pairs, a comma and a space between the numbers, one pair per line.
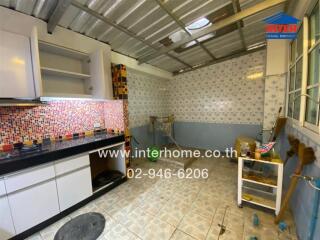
240, 206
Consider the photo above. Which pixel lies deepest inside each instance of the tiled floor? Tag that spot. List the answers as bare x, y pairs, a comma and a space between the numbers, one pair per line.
179, 209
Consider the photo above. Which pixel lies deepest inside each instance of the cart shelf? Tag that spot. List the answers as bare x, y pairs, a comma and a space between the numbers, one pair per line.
254, 188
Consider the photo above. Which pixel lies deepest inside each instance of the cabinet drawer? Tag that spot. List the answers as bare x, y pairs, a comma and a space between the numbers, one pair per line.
74, 187
29, 177
67, 165
2, 188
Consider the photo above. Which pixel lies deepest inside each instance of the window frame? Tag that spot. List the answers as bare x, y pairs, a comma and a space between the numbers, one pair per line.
293, 64
304, 57
313, 127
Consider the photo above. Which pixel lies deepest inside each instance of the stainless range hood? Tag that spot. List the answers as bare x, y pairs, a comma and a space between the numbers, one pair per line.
18, 102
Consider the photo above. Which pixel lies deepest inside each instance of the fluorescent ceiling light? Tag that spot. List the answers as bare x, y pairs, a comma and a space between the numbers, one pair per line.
199, 24
255, 76
256, 45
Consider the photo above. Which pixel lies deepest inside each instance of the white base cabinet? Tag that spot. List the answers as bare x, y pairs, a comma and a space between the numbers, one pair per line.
74, 187
32, 196
6, 223
33, 205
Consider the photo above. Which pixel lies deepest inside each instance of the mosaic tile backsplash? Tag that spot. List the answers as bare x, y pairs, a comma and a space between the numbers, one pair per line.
221, 93
58, 118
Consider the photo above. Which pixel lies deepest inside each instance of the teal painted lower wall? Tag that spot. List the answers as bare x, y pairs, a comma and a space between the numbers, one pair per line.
215, 136
145, 137
302, 200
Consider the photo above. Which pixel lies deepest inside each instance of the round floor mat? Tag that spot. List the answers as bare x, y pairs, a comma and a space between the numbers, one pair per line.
87, 226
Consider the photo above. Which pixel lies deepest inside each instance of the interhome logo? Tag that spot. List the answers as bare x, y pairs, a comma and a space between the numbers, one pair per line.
281, 26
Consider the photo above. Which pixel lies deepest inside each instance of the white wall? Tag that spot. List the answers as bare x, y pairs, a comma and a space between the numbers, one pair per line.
275, 83
16, 22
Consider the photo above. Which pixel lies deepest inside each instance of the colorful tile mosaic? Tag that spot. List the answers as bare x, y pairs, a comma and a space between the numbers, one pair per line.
119, 81
120, 91
58, 118
114, 115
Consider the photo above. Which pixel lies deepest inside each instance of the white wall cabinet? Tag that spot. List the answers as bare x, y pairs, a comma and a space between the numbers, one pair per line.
73, 178
100, 68
16, 75
6, 223
66, 72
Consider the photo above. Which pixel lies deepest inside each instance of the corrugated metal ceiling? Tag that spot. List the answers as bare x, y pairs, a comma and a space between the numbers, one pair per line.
147, 19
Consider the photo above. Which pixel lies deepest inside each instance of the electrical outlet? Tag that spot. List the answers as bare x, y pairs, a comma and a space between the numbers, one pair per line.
96, 125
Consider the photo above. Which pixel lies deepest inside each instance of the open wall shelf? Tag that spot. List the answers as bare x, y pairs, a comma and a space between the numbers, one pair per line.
62, 69
59, 50
63, 73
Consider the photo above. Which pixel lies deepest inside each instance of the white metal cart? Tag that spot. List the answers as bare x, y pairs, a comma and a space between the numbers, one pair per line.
264, 191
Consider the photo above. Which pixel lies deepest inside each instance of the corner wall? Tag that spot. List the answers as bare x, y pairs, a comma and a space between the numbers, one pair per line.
147, 96
216, 104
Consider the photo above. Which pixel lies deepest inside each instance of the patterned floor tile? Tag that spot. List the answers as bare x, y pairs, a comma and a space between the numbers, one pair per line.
137, 221
153, 209
158, 229
34, 237
195, 225
203, 208
179, 235
119, 232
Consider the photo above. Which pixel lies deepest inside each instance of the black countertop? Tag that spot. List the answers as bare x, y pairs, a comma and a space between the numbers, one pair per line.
58, 150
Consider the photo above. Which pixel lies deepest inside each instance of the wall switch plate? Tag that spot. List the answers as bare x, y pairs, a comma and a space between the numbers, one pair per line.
96, 125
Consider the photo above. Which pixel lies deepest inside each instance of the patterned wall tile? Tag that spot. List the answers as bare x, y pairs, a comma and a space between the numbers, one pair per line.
148, 96
275, 94
221, 93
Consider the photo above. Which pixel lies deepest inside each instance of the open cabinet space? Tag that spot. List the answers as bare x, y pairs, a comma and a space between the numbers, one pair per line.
64, 72
106, 170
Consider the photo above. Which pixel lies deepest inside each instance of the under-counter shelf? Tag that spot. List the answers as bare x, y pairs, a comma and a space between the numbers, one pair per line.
63, 73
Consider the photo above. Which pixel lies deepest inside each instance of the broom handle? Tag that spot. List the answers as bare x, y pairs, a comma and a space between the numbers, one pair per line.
292, 187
